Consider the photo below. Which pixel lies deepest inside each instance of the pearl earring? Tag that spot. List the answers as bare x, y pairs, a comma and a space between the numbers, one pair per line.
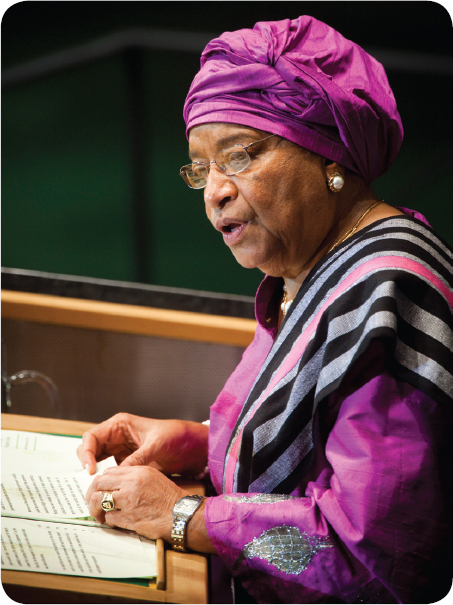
336, 182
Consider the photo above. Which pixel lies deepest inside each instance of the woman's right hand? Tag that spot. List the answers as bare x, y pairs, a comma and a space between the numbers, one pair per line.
171, 446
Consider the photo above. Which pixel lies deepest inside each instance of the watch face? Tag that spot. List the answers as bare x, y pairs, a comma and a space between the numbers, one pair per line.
186, 505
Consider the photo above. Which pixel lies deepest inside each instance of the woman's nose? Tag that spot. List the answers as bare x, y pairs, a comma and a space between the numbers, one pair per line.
219, 188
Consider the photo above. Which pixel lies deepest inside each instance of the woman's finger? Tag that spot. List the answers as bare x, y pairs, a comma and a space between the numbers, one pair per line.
89, 462
103, 483
141, 457
94, 440
95, 505
88, 451
124, 469
95, 508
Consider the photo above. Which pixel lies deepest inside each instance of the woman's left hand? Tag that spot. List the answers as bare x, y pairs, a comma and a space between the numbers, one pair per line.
143, 496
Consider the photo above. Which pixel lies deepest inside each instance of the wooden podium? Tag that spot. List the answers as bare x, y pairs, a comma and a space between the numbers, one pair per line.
182, 577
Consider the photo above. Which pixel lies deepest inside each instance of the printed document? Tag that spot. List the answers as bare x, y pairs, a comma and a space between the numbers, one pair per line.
46, 524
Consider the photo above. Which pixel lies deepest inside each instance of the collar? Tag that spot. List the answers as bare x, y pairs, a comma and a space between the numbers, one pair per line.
267, 303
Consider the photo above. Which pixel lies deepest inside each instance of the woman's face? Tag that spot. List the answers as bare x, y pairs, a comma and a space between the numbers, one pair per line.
276, 213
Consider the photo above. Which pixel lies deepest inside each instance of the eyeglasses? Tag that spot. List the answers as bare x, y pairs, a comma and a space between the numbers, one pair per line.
231, 160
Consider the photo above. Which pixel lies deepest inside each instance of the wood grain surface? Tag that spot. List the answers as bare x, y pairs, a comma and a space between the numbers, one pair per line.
130, 319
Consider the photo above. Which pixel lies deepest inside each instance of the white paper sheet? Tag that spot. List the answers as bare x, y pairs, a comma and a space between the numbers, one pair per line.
23, 440
35, 462
43, 495
74, 550
46, 525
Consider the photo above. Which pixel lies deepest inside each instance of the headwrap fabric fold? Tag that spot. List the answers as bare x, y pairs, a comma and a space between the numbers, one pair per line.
302, 80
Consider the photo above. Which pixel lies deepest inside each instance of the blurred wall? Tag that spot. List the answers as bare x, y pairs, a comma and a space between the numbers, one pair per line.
88, 149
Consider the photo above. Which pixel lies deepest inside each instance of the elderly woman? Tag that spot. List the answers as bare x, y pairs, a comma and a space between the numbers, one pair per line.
327, 445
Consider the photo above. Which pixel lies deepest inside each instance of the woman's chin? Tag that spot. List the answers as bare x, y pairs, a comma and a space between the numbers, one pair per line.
246, 258
249, 261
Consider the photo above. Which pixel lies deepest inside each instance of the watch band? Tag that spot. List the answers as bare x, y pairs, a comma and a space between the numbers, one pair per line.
183, 511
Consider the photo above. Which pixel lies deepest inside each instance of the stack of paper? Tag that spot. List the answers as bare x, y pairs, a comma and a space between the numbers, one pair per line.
46, 526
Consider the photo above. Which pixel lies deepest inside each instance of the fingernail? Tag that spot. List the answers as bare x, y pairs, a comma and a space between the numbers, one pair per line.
87, 467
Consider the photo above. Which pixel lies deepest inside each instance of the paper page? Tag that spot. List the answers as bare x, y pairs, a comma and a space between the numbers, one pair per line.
53, 462
23, 440
43, 495
35, 451
149, 547
73, 550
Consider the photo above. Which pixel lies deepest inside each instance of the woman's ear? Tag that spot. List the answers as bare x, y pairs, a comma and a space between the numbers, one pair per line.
332, 167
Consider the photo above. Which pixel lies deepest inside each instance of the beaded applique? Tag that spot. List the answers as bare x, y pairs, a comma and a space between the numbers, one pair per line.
287, 548
259, 498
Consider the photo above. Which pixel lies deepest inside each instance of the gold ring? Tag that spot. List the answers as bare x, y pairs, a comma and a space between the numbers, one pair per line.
108, 503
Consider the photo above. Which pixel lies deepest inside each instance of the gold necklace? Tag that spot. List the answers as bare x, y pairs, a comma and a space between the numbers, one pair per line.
354, 228
287, 303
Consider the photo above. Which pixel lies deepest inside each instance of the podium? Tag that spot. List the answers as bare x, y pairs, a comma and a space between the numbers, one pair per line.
113, 347
182, 577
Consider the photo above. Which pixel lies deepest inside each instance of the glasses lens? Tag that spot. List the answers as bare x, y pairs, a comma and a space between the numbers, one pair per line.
195, 175
232, 160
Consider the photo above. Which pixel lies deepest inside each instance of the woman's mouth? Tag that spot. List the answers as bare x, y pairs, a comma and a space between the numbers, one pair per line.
232, 232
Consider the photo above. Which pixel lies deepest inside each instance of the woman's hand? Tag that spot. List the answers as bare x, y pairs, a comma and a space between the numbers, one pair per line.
143, 496
171, 446
145, 499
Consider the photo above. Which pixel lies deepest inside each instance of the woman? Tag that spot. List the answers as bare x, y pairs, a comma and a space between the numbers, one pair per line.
327, 444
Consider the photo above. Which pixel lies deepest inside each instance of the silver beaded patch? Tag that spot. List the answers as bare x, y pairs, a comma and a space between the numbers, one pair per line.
259, 498
287, 548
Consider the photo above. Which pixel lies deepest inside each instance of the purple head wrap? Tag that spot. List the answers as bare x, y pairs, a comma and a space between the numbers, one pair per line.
302, 80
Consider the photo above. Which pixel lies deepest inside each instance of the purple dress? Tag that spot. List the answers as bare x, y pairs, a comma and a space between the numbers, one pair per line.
364, 520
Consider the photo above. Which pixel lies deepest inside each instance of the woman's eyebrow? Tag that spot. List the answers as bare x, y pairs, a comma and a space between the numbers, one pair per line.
194, 153
228, 141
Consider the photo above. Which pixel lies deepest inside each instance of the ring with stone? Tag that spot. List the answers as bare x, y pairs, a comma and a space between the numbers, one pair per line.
108, 503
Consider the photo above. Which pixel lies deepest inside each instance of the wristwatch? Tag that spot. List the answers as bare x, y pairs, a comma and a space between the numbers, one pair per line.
182, 513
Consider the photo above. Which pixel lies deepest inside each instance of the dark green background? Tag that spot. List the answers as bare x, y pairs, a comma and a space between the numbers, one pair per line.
66, 178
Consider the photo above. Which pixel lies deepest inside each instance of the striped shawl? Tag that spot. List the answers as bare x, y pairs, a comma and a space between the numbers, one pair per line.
392, 281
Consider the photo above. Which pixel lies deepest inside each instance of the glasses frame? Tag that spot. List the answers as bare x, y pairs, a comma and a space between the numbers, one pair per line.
208, 165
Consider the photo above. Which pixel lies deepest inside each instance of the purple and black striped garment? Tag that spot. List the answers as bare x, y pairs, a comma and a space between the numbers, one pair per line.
328, 444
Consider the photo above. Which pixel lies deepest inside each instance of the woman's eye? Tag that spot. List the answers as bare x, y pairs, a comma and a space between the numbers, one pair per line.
198, 169
237, 158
